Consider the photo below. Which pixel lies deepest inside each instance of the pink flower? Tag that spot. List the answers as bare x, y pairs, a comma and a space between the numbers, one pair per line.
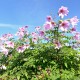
53, 23
26, 26
63, 11
64, 26
35, 39
9, 44
20, 34
73, 29
2, 46
57, 44
49, 25
22, 29
20, 49
74, 46
77, 36
41, 33
37, 28
6, 36
9, 35
74, 21
46, 38
26, 46
34, 34
5, 51
49, 18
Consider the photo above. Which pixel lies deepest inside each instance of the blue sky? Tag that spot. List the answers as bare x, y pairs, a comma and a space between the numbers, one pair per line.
17, 13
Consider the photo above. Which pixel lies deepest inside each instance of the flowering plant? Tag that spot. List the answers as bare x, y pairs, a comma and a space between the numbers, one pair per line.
51, 52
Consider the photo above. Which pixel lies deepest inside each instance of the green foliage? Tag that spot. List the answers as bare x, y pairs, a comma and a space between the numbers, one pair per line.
33, 57
42, 63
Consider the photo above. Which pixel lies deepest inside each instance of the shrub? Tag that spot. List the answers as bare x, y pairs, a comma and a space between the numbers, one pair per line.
51, 52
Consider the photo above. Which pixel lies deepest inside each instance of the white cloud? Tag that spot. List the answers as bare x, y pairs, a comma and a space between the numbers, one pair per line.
15, 27
8, 25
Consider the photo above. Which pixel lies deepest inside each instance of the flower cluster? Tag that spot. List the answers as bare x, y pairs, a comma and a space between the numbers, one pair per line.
50, 48
43, 34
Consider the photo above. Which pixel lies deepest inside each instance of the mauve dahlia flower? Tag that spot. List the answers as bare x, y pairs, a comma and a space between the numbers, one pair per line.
76, 36
74, 21
57, 44
20, 49
37, 28
41, 33
49, 25
64, 25
63, 11
5, 51
49, 18
9, 44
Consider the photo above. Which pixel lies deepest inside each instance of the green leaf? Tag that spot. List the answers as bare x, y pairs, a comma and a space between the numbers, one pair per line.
18, 77
66, 65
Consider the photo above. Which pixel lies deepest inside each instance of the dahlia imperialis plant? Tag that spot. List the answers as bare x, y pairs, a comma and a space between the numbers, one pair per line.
51, 52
